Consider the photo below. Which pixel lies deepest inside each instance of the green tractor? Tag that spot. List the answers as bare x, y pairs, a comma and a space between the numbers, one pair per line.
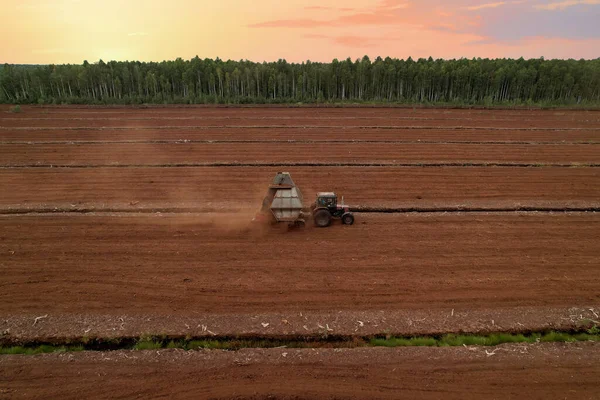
326, 208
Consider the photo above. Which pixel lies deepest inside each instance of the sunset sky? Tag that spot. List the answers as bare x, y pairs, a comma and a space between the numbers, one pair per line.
70, 31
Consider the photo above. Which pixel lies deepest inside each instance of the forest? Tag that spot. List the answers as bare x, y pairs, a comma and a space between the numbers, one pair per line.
207, 81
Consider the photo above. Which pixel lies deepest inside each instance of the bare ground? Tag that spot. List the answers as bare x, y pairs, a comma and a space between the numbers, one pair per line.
298, 134
135, 154
538, 371
243, 188
209, 273
201, 265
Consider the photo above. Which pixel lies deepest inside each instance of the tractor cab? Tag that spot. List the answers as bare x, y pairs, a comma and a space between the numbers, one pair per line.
326, 207
327, 200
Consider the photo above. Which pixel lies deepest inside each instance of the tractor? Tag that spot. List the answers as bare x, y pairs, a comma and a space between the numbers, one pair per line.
284, 203
326, 208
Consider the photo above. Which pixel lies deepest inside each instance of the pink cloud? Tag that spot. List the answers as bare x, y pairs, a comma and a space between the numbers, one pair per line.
352, 40
537, 46
316, 36
531, 40
386, 13
561, 5
369, 19
318, 8
346, 20
486, 5
324, 8
291, 23
401, 28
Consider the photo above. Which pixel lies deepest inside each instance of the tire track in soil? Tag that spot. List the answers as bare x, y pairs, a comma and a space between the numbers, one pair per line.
260, 165
297, 154
548, 121
365, 127
292, 141
299, 134
359, 210
278, 118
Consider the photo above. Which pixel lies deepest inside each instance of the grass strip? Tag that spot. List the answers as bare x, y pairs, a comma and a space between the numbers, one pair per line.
45, 348
487, 340
150, 342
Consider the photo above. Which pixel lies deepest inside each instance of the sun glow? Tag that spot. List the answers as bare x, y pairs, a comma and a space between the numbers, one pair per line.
69, 31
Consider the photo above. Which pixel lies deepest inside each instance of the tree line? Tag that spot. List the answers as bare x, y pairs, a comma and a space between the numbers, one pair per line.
200, 81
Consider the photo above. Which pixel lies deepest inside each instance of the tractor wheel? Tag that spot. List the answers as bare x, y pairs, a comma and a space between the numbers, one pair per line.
322, 218
347, 219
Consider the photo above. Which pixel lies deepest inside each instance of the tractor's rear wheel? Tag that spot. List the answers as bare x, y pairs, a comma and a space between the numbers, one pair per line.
322, 218
347, 219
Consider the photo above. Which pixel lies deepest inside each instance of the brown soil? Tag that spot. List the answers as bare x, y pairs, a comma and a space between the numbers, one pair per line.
301, 121
120, 274
237, 189
216, 263
288, 324
33, 117
276, 153
538, 371
165, 124
344, 134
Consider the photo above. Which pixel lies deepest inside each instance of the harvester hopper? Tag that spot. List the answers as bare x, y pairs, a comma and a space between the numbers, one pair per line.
283, 202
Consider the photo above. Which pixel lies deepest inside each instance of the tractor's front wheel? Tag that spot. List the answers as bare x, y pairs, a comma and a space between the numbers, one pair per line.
347, 219
322, 218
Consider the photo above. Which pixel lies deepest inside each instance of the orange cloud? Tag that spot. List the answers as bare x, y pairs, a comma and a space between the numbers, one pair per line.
394, 4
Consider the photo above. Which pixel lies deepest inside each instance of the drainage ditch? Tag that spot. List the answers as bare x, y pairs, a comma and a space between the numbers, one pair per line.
310, 164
